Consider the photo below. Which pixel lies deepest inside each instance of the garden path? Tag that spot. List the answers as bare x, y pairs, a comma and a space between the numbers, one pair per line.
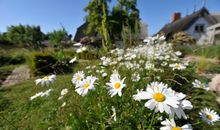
19, 74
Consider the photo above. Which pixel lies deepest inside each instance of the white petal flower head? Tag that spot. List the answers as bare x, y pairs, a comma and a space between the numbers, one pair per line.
106, 61
81, 49
46, 80
46, 93
36, 95
72, 60
64, 92
114, 113
171, 125
184, 104
64, 104
116, 84
86, 85
198, 84
209, 116
178, 66
135, 77
149, 66
77, 77
159, 98
178, 53
41, 94
104, 74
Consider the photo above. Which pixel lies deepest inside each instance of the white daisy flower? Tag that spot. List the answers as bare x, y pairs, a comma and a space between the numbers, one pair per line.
135, 77
198, 84
149, 66
87, 84
46, 80
104, 74
77, 77
159, 98
72, 60
62, 93
106, 61
36, 95
171, 125
41, 94
46, 93
209, 116
114, 114
81, 49
184, 104
178, 66
116, 84
63, 105
178, 53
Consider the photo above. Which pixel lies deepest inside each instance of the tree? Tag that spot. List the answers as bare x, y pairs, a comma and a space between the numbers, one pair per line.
97, 19
57, 36
124, 15
110, 24
25, 35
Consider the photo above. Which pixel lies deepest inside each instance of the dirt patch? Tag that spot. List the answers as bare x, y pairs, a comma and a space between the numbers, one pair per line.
193, 58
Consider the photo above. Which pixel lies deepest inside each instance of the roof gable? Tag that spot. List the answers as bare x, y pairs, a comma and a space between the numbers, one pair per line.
184, 23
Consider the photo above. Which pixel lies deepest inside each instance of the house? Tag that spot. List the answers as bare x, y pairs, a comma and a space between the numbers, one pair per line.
195, 24
81, 32
213, 33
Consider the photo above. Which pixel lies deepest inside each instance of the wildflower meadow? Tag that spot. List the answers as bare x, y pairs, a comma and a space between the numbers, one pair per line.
144, 87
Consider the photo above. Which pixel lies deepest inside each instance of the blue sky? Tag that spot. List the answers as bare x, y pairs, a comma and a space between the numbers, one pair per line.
50, 14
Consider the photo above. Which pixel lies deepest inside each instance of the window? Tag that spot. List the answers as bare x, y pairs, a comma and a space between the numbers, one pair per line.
199, 28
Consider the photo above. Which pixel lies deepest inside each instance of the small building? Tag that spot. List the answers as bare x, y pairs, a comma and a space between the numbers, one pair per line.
195, 24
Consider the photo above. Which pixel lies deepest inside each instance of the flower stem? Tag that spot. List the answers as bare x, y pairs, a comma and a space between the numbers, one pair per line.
152, 119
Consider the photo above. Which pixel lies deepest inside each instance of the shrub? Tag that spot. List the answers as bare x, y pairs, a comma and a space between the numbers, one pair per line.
8, 60
182, 38
46, 64
89, 55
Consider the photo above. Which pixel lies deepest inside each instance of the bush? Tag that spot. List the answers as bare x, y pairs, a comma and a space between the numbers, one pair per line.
89, 55
182, 38
11, 60
48, 64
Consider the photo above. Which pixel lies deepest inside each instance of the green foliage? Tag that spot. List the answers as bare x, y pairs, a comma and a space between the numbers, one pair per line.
57, 36
25, 35
11, 60
212, 51
89, 55
43, 63
109, 24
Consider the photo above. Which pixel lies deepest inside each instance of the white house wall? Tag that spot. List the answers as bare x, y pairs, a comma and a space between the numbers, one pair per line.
191, 29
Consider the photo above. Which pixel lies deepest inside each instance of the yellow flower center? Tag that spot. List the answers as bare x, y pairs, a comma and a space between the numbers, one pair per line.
159, 97
208, 116
176, 128
177, 66
46, 78
78, 77
86, 85
202, 86
117, 85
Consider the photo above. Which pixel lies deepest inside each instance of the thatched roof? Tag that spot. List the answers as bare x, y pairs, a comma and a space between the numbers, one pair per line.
184, 23
81, 32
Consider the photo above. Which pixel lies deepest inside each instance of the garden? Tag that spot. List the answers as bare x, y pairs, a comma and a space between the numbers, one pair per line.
144, 87
110, 79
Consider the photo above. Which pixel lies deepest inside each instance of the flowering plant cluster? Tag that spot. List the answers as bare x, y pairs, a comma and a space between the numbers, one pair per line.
137, 88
